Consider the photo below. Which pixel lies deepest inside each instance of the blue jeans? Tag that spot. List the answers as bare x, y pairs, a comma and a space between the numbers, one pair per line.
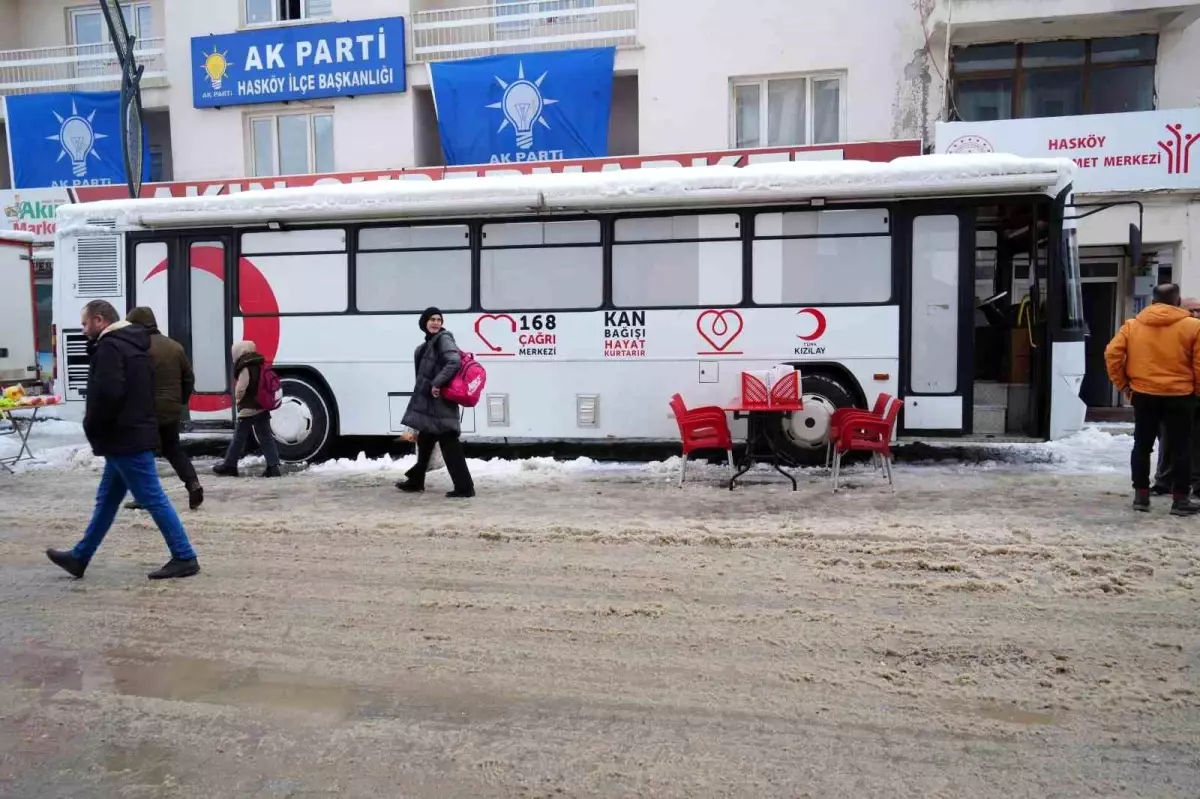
138, 475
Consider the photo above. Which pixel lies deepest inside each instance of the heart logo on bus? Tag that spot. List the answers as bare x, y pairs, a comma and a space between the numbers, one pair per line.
719, 328
511, 327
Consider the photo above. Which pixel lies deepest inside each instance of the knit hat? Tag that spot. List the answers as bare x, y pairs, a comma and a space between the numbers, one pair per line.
425, 317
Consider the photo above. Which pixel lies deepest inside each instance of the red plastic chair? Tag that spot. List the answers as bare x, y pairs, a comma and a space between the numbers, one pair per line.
866, 434
842, 415
701, 428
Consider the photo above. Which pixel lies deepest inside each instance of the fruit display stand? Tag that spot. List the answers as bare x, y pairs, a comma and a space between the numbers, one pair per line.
21, 413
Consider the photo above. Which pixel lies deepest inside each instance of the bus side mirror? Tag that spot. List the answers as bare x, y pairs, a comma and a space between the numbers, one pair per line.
1135, 245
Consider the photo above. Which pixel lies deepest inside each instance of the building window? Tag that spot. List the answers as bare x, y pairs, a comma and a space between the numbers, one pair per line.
1052, 79
291, 144
262, 12
520, 8
783, 111
88, 25
157, 164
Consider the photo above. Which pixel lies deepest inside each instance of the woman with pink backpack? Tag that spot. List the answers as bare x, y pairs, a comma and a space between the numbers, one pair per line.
431, 414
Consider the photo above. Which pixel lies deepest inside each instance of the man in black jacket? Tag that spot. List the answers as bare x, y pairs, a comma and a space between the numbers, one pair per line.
120, 425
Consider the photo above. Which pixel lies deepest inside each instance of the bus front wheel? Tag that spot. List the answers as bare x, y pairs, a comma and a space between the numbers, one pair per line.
802, 436
303, 423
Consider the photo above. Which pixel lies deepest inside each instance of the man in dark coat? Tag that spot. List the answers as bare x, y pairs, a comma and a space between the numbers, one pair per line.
1163, 475
120, 425
436, 362
173, 384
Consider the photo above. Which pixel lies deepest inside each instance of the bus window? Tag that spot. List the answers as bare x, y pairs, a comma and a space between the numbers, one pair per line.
410, 268
1073, 307
822, 257
677, 261
208, 324
541, 265
307, 270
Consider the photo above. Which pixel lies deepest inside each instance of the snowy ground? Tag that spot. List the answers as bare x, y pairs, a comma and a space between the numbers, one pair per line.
1006, 627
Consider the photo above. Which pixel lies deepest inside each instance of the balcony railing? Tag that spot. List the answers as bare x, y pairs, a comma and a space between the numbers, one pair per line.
525, 25
86, 67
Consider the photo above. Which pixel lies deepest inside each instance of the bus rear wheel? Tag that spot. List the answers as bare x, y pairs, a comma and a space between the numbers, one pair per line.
802, 436
303, 423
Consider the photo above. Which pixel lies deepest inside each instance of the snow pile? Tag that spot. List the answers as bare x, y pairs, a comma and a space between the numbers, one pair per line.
526, 469
1091, 451
56, 444
61, 445
522, 193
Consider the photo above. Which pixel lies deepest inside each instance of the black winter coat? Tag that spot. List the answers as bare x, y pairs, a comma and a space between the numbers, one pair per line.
119, 418
436, 362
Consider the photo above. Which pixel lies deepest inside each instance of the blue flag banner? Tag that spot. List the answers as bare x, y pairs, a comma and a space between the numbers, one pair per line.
527, 107
67, 139
298, 62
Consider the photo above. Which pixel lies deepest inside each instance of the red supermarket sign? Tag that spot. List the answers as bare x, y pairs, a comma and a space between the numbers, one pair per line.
859, 151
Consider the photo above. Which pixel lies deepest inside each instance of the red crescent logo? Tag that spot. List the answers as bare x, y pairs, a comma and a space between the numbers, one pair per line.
820, 320
256, 297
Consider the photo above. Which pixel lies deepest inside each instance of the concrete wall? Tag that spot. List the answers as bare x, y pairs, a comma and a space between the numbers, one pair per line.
372, 132
10, 25
692, 49
1179, 64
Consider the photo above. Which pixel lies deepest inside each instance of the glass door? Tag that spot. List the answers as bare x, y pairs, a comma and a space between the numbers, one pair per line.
936, 378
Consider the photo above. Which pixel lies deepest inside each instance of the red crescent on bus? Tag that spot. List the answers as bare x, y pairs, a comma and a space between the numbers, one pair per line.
255, 296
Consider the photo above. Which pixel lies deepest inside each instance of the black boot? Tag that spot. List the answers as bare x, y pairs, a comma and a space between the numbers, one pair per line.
1183, 506
195, 496
410, 487
67, 562
221, 470
461, 494
1141, 500
273, 471
176, 568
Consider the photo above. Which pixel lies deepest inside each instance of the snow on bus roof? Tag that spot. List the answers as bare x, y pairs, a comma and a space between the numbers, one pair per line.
914, 176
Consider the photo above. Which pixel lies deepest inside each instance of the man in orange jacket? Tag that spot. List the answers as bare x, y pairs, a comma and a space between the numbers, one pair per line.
1155, 359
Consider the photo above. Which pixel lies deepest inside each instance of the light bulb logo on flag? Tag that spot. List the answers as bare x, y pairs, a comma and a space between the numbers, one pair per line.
522, 105
216, 66
78, 139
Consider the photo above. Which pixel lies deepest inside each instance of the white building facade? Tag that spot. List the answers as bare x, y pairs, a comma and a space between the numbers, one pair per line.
690, 76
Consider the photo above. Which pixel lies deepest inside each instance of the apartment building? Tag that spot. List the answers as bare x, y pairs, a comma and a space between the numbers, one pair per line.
702, 76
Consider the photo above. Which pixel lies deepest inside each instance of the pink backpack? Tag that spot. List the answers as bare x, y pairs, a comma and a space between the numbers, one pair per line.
466, 387
270, 392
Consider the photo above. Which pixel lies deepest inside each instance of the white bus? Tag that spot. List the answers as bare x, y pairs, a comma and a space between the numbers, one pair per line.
592, 298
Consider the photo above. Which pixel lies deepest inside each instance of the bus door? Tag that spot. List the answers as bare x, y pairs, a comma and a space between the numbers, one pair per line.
935, 288
184, 279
